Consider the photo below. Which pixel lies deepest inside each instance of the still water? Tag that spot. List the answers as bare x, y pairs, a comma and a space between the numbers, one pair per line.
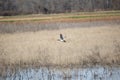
44, 73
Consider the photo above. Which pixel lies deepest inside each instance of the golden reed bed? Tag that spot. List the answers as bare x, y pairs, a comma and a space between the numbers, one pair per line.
84, 46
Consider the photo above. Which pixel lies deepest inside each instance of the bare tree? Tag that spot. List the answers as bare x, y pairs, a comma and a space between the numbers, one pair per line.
12, 7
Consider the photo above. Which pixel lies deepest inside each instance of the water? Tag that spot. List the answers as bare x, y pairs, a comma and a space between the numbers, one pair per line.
43, 73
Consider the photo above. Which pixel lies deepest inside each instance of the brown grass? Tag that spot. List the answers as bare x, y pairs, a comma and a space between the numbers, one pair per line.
65, 17
84, 46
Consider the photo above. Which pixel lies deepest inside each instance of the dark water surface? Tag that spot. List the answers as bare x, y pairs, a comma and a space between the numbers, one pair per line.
44, 73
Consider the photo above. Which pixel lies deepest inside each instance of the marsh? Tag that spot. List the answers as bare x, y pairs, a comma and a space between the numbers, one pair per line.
35, 45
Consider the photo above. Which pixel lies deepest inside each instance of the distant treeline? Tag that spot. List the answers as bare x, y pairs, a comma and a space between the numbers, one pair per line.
16, 7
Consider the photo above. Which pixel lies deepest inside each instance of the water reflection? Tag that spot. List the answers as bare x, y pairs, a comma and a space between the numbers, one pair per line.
94, 73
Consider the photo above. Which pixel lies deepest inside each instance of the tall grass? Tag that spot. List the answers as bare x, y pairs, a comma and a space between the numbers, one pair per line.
84, 47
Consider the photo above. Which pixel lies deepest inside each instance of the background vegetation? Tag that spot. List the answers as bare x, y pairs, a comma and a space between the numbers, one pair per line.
14, 7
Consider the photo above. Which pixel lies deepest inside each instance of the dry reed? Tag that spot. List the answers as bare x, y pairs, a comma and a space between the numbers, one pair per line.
84, 46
